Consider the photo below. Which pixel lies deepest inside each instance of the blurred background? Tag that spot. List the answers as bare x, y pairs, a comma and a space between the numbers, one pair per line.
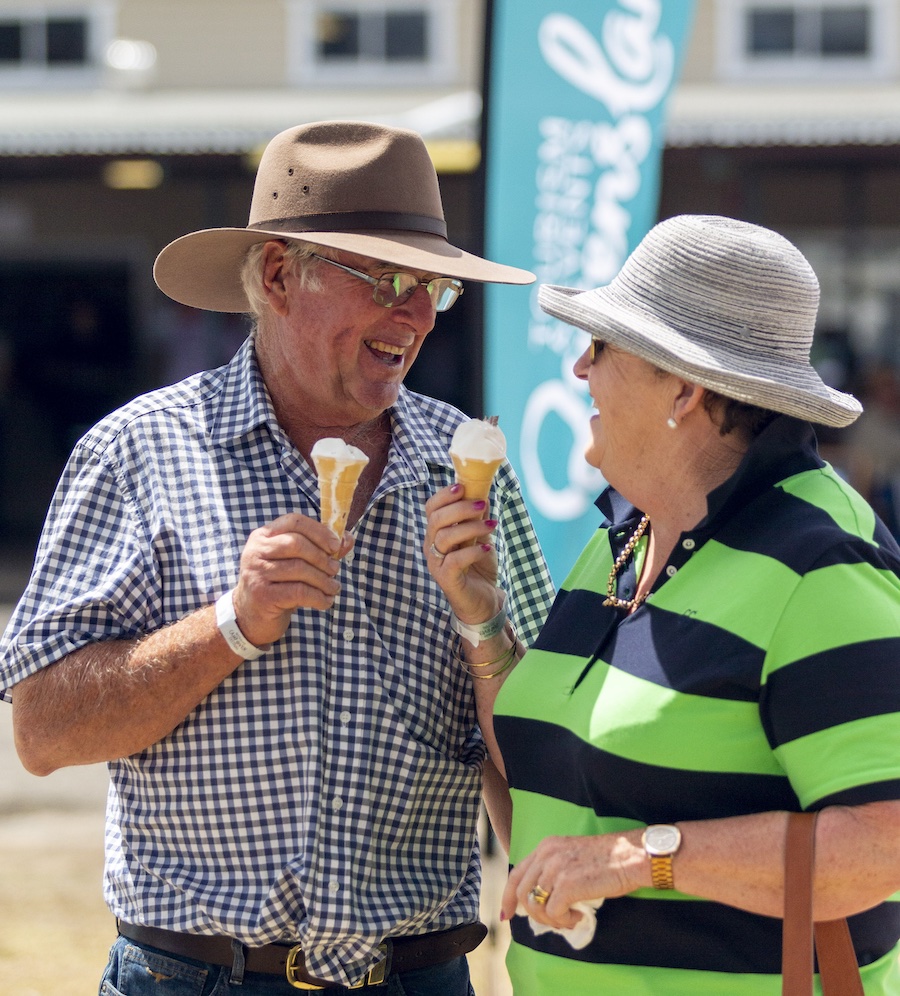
126, 123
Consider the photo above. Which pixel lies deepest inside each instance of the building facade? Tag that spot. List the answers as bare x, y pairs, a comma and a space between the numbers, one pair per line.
125, 123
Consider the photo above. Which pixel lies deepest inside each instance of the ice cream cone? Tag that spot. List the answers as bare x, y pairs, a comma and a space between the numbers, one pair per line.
476, 476
477, 449
338, 469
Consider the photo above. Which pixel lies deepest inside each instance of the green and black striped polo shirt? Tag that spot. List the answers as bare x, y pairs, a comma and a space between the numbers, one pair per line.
763, 673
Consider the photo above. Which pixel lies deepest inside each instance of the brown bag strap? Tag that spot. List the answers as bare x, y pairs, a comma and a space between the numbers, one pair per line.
838, 969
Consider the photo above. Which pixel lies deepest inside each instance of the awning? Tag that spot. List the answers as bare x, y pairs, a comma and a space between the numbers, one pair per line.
729, 116
117, 123
201, 122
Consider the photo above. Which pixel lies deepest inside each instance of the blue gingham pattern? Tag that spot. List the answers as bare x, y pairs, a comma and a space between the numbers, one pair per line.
328, 792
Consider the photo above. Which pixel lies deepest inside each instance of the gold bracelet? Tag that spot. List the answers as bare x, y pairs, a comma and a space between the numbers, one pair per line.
510, 660
457, 656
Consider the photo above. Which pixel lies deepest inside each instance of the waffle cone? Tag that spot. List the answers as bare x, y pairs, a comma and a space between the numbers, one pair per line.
476, 477
337, 485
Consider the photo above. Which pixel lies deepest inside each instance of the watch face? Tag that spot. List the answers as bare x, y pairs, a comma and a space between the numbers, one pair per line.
662, 839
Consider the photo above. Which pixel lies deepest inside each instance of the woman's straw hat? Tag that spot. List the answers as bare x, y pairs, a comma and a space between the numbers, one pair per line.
722, 303
350, 185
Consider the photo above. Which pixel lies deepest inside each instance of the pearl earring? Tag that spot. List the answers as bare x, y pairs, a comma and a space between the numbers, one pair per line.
671, 423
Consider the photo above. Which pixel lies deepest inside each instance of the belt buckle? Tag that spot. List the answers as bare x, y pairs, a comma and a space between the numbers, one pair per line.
295, 966
377, 973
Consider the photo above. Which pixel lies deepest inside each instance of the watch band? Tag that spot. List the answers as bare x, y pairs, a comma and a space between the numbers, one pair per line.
661, 872
226, 620
661, 843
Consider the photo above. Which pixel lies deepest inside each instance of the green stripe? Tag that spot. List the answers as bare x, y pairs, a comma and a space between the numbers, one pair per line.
764, 581
733, 740
540, 816
849, 603
862, 752
825, 490
537, 974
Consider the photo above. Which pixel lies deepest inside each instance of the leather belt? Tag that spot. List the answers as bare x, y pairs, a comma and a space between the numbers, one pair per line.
401, 954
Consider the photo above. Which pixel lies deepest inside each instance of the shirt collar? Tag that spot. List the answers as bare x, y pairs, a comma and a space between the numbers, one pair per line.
418, 442
785, 447
245, 402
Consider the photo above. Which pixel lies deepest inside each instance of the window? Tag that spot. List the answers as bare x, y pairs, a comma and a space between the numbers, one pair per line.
42, 45
371, 41
772, 39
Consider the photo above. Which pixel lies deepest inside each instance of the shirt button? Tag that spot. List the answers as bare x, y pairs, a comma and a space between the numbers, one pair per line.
349, 558
337, 802
348, 635
689, 544
671, 570
334, 886
345, 717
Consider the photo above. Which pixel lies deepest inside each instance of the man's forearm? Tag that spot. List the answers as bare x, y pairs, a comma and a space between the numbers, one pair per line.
115, 698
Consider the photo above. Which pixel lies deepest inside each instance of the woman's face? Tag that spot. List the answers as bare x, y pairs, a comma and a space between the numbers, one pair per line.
633, 402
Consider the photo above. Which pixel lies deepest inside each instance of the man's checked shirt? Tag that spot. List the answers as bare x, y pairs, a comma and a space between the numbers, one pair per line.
327, 793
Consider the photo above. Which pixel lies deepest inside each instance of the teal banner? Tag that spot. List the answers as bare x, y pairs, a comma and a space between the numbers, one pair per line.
576, 92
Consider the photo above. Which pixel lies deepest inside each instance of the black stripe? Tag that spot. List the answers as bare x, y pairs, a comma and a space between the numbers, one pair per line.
549, 760
577, 624
803, 536
349, 220
819, 692
859, 795
662, 647
701, 936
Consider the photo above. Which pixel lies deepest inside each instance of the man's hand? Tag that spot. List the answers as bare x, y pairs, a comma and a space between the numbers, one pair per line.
287, 564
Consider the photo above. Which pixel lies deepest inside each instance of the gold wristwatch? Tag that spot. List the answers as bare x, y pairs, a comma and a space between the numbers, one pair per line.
661, 842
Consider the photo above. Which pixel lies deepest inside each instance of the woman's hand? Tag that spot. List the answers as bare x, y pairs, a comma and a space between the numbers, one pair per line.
574, 869
460, 555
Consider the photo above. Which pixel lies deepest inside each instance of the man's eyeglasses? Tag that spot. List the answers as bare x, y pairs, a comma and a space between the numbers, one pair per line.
396, 288
596, 348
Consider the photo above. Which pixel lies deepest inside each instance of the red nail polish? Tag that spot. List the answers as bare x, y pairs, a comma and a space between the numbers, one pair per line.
491, 523
502, 916
486, 547
455, 489
479, 505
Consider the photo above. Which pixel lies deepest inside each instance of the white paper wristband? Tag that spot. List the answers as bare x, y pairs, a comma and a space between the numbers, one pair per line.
226, 620
483, 631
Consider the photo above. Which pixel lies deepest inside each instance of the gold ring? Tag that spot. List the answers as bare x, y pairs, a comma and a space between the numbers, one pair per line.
435, 552
539, 895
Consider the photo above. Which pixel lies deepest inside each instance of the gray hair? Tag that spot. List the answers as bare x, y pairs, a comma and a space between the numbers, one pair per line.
297, 255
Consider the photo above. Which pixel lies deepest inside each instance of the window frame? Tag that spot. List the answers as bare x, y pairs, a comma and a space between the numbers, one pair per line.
305, 68
99, 18
734, 62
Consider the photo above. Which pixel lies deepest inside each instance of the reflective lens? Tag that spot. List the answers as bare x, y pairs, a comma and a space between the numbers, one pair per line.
393, 288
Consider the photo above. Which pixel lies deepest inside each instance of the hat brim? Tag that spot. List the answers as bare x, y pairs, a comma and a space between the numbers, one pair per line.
202, 269
776, 383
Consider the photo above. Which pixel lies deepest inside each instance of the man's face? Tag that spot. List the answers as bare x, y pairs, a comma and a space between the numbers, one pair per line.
333, 354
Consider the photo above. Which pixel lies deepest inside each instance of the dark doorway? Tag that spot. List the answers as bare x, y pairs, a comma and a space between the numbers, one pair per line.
67, 357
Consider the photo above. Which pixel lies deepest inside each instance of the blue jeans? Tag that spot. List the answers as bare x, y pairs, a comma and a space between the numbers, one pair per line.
136, 970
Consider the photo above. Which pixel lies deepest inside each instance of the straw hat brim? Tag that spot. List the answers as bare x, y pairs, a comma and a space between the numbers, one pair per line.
774, 382
202, 269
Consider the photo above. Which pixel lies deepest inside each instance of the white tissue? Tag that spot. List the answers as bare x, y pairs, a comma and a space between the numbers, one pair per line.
579, 936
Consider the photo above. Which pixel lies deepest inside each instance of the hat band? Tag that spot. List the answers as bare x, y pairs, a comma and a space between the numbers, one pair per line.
352, 220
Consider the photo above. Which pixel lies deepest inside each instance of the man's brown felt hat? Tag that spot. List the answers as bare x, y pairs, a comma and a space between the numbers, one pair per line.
350, 185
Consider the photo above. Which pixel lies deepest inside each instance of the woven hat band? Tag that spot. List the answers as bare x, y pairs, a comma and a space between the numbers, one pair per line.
347, 221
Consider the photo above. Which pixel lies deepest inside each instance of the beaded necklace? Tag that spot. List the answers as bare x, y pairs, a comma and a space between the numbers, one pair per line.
620, 562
